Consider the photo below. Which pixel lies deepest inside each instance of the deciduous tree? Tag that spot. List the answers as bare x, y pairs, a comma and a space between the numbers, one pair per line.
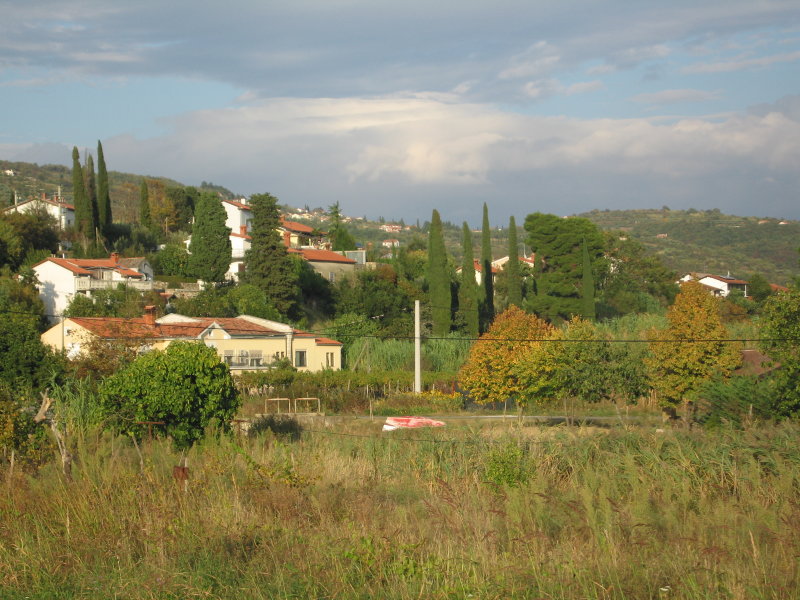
780, 328
691, 350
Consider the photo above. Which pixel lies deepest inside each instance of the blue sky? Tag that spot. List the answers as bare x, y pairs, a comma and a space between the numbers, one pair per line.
393, 109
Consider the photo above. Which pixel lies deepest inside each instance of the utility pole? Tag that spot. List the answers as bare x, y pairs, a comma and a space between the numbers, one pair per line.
417, 351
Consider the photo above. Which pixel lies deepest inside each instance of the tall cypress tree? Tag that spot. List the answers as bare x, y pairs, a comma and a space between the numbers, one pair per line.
587, 284
144, 205
438, 280
83, 210
91, 193
487, 282
103, 198
268, 264
468, 288
514, 279
210, 248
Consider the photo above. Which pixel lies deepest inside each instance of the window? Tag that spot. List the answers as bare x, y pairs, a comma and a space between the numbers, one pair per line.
300, 358
255, 358
332, 276
329, 360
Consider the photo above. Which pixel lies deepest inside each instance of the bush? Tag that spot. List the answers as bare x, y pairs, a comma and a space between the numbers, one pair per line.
736, 401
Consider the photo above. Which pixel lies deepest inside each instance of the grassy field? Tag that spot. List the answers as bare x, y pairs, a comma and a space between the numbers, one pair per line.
472, 511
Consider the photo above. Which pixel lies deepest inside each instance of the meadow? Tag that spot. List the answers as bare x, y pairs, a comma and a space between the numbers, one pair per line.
464, 511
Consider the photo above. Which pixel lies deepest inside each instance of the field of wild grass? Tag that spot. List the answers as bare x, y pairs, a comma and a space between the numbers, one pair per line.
457, 512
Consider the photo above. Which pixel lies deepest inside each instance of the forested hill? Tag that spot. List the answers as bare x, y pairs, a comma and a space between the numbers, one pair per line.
710, 241
31, 180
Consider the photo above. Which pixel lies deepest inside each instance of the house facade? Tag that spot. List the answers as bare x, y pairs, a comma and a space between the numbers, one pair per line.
60, 279
243, 343
63, 213
717, 285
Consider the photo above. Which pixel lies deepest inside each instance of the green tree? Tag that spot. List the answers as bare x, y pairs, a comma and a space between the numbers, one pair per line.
83, 209
490, 373
210, 247
172, 259
487, 279
587, 284
691, 350
186, 387
338, 234
439, 293
468, 309
513, 276
780, 328
103, 197
558, 245
144, 205
268, 265
91, 193
759, 288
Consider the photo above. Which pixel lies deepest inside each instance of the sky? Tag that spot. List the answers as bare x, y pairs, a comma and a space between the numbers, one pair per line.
394, 109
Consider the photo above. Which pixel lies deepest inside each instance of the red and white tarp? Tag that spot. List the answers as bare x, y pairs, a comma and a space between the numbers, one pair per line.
393, 423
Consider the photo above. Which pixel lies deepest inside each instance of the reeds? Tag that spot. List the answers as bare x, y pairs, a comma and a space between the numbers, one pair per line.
348, 512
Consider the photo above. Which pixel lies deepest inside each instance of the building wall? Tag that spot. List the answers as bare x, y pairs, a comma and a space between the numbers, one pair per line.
56, 288
333, 271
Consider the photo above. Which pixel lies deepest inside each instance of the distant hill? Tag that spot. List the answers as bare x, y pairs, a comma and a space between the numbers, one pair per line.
31, 180
710, 241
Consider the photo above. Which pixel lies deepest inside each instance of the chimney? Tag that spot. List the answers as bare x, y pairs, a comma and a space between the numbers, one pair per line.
243, 229
150, 315
115, 257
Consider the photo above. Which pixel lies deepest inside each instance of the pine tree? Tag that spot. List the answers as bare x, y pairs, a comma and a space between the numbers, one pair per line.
144, 205
91, 193
268, 264
487, 282
468, 288
513, 277
103, 197
210, 248
438, 279
83, 210
587, 285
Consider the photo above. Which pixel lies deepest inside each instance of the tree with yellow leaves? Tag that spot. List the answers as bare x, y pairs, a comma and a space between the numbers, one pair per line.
489, 374
691, 350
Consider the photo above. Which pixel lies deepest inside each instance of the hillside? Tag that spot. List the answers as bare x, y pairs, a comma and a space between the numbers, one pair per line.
710, 241
31, 180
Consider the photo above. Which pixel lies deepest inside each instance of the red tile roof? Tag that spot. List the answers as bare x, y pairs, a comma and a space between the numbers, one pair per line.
314, 255
84, 266
296, 227
239, 205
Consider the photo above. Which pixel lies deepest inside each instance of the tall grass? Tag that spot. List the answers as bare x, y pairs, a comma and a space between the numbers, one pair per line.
449, 513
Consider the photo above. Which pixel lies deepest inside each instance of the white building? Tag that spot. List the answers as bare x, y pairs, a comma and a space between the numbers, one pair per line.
61, 278
718, 286
63, 213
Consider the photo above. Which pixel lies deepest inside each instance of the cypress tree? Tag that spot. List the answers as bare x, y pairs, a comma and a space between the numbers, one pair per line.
514, 278
91, 193
144, 205
103, 197
340, 237
210, 248
83, 210
438, 280
268, 264
468, 288
487, 282
587, 285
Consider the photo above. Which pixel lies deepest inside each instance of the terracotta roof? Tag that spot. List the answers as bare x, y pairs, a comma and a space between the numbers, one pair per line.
778, 288
727, 279
84, 266
327, 342
45, 200
314, 255
240, 235
238, 204
109, 327
295, 226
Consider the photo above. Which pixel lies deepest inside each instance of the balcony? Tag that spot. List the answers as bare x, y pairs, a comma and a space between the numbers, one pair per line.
88, 284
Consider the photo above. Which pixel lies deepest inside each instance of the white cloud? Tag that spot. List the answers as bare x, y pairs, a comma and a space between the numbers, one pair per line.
583, 87
676, 96
538, 59
742, 64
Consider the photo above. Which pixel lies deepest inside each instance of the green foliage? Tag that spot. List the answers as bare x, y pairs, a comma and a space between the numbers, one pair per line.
120, 302
736, 401
468, 307
587, 284
210, 247
513, 275
381, 295
84, 218
24, 236
370, 354
759, 288
90, 182
316, 293
144, 205
18, 433
268, 264
103, 197
780, 328
487, 279
506, 465
438, 277
339, 237
558, 245
185, 386
172, 259
445, 355
227, 301
348, 328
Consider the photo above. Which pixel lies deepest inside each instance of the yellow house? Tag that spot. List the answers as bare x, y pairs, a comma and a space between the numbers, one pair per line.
244, 343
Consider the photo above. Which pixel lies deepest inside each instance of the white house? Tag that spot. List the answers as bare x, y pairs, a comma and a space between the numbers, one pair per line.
63, 213
61, 278
718, 286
